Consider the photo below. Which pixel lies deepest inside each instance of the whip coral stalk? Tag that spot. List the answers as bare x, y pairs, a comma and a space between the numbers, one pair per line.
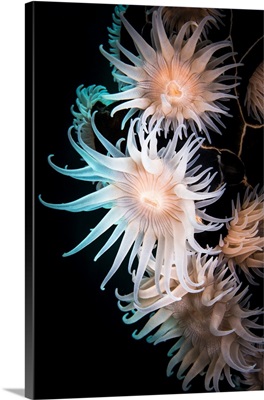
244, 243
154, 196
211, 328
174, 82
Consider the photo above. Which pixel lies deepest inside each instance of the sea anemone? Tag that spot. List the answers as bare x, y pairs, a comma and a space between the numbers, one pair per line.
86, 100
114, 34
254, 99
244, 243
212, 327
255, 379
154, 196
175, 17
175, 81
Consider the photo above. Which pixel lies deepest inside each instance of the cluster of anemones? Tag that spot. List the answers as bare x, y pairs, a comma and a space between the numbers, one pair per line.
156, 192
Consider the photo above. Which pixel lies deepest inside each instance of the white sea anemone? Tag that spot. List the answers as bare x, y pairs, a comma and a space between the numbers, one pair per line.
243, 246
211, 328
154, 196
254, 99
174, 82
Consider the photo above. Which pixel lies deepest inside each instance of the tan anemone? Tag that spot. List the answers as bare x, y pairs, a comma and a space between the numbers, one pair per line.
243, 245
254, 99
211, 328
175, 17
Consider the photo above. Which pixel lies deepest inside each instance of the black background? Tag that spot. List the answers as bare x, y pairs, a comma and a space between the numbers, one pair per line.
82, 347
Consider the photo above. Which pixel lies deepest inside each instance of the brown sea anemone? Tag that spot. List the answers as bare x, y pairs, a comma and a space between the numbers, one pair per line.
211, 328
175, 81
175, 17
255, 379
254, 99
244, 243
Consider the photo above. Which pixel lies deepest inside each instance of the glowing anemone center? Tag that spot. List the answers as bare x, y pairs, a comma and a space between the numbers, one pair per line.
176, 89
173, 90
151, 194
152, 200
